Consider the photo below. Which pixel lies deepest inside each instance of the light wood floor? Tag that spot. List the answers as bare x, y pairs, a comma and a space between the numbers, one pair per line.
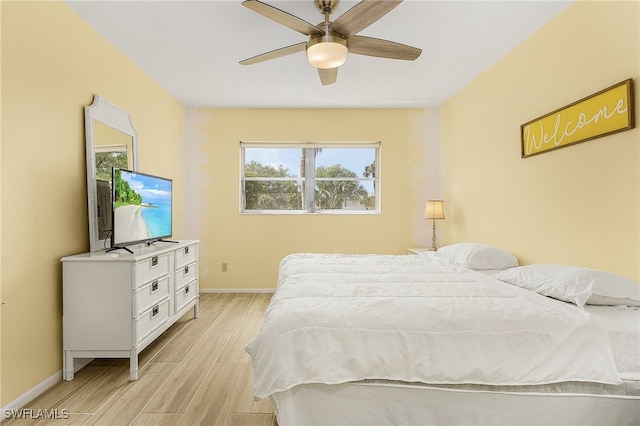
196, 373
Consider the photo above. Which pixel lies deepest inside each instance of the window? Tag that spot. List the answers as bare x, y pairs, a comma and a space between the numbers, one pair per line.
310, 177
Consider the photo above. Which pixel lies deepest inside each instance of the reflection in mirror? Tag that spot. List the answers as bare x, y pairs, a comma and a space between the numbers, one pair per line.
111, 142
111, 148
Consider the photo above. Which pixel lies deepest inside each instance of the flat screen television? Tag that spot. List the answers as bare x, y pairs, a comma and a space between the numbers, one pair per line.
142, 207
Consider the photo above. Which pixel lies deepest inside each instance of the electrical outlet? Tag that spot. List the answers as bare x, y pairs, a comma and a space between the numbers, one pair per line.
225, 266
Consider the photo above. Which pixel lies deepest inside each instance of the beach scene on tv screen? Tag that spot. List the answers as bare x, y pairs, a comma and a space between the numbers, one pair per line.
142, 207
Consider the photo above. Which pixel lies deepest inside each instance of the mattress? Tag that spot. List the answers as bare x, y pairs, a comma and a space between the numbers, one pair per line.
623, 326
383, 402
338, 319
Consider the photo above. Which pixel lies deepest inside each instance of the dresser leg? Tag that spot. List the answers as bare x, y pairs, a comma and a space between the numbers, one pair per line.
67, 365
196, 308
133, 366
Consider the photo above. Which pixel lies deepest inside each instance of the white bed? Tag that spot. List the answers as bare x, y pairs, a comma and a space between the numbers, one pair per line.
407, 340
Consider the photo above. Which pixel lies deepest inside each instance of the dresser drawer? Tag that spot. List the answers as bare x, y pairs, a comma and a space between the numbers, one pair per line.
186, 273
186, 294
152, 268
151, 293
152, 318
186, 255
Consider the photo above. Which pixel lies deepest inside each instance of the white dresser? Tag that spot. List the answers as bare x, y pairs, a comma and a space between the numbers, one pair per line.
115, 304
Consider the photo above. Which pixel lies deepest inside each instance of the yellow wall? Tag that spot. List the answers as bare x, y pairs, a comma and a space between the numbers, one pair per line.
576, 205
253, 245
52, 65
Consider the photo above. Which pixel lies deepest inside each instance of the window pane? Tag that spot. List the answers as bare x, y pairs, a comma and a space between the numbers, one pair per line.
353, 159
272, 195
343, 195
334, 193
286, 161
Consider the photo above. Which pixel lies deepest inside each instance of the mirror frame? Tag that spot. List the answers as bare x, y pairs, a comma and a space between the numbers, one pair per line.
109, 115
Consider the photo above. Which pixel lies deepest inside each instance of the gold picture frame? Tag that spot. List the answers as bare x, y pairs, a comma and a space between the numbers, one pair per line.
604, 113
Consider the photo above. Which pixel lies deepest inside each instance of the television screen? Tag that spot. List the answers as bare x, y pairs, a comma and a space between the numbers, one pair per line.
141, 208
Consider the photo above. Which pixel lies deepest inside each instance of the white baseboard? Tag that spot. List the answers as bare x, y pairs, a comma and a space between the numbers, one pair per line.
41, 388
32, 394
237, 290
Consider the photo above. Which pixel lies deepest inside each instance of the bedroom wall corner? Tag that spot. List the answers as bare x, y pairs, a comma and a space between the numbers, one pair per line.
576, 205
197, 184
427, 177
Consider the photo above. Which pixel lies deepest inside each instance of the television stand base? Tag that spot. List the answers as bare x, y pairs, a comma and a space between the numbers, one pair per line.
161, 241
118, 248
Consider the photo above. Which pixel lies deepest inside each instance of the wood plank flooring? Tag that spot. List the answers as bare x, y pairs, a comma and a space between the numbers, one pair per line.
196, 373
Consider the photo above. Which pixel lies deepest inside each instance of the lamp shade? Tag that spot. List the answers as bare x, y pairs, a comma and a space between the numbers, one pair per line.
434, 209
327, 50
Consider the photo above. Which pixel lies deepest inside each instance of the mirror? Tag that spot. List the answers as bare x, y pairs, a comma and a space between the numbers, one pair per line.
111, 141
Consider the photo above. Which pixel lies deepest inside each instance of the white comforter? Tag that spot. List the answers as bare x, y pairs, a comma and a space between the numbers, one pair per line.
342, 318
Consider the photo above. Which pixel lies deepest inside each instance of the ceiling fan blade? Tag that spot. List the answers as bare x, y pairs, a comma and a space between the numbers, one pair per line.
282, 17
328, 75
370, 46
283, 51
362, 15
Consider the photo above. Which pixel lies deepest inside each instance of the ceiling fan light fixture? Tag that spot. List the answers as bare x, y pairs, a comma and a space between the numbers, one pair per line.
327, 51
330, 42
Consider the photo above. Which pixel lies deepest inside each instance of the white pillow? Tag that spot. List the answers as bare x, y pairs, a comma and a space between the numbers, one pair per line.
573, 284
611, 289
558, 281
477, 256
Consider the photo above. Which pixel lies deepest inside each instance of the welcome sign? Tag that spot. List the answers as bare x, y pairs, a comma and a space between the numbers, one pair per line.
603, 113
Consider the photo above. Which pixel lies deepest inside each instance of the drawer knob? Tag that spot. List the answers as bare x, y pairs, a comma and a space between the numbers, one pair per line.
154, 311
186, 270
154, 286
154, 261
186, 250
186, 290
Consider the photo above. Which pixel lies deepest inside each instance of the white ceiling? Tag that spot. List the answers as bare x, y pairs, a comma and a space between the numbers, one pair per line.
192, 49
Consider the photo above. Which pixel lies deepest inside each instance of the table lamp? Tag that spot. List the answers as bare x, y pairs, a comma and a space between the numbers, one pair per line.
434, 209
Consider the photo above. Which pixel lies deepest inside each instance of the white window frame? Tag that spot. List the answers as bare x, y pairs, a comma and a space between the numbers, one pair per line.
310, 171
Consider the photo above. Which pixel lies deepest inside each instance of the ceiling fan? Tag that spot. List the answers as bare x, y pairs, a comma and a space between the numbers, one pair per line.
329, 42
